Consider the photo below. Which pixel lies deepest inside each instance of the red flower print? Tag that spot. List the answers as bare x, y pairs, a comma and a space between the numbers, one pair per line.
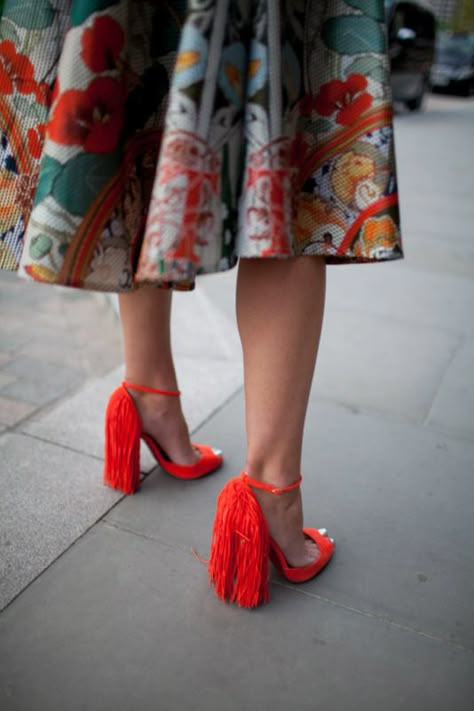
347, 98
16, 70
298, 150
102, 44
43, 93
91, 118
35, 139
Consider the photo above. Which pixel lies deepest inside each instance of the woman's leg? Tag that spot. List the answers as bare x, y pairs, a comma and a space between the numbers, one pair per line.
280, 306
145, 316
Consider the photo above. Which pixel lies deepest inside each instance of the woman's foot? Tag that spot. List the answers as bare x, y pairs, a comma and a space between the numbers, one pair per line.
284, 515
162, 418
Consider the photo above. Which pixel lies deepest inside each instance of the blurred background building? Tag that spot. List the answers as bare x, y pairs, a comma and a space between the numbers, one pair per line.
445, 9
454, 14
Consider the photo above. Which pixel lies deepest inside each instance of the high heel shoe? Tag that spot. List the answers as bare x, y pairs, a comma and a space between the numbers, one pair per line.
123, 431
242, 547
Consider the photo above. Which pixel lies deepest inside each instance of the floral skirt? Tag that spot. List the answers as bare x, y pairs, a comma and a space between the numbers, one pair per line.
146, 141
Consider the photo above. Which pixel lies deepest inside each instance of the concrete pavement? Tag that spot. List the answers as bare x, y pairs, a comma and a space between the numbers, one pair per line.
105, 607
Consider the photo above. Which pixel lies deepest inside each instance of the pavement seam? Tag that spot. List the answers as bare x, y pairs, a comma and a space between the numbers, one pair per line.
376, 617
444, 376
43, 410
391, 417
321, 598
101, 518
17, 429
353, 409
68, 448
61, 554
139, 534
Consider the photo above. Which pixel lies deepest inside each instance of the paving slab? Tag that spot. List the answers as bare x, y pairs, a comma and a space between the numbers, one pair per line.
50, 496
28, 368
453, 406
13, 411
123, 622
209, 368
6, 379
54, 328
452, 224
397, 499
202, 328
11, 340
40, 389
68, 352
220, 289
430, 254
399, 291
4, 358
387, 365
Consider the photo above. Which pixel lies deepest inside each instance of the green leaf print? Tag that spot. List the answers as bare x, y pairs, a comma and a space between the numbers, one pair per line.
40, 246
50, 169
7, 31
372, 8
370, 67
81, 9
353, 34
30, 15
81, 180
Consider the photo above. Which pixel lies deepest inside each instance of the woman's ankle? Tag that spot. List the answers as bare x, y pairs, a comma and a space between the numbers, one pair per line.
284, 516
280, 472
159, 405
162, 418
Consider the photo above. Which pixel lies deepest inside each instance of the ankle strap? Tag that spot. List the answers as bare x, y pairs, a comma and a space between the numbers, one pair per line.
268, 487
145, 389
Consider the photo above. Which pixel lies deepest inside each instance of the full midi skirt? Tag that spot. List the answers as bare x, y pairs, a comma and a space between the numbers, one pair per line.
146, 141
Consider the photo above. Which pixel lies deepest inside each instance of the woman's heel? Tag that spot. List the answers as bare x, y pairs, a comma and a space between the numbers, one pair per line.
122, 443
240, 548
241, 545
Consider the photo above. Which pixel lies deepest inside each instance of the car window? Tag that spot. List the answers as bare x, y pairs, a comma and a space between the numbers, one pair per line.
454, 50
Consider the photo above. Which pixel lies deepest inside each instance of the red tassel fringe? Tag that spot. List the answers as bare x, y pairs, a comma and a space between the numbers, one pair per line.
122, 443
240, 548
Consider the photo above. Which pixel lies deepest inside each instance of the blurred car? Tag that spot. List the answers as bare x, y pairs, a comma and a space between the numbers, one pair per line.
453, 68
412, 37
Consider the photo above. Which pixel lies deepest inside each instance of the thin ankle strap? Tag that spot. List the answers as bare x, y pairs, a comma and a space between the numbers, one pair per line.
268, 487
145, 389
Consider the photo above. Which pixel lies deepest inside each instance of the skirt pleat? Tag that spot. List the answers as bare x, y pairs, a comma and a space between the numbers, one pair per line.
147, 142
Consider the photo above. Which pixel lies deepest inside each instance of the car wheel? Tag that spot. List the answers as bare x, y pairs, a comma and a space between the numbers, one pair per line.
416, 103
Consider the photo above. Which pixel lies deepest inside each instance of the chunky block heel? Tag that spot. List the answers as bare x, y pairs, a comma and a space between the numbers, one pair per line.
122, 443
239, 560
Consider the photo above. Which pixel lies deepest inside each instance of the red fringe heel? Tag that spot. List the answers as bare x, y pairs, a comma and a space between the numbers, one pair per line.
122, 443
240, 548
241, 545
123, 431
